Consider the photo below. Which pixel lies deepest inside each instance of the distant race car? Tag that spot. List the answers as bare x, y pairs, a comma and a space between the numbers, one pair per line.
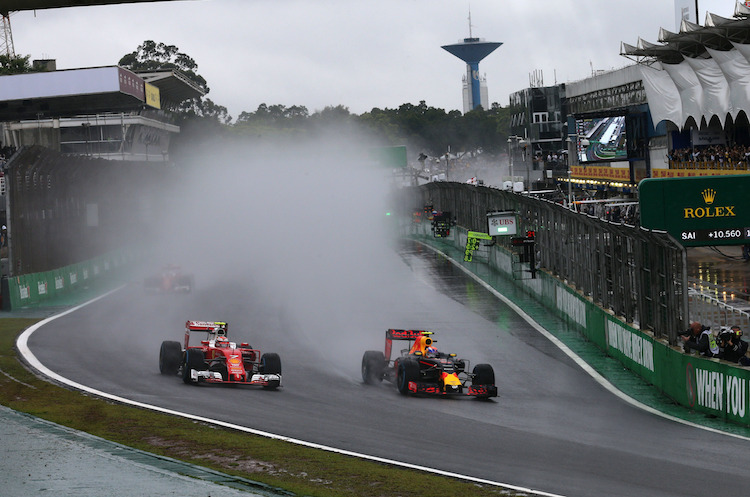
170, 279
217, 360
421, 369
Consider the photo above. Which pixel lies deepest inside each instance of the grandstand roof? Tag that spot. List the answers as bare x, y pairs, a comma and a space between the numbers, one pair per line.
701, 73
88, 91
15, 5
693, 40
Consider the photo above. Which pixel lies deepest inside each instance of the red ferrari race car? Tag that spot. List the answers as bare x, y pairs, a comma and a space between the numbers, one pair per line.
217, 360
421, 369
171, 279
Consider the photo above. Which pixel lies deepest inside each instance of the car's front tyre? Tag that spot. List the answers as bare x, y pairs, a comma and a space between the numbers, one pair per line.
408, 371
483, 374
194, 359
270, 363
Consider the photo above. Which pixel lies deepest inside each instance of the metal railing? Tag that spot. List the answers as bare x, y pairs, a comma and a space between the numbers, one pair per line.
636, 273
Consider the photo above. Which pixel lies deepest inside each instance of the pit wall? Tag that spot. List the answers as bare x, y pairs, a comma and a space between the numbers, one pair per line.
708, 385
49, 287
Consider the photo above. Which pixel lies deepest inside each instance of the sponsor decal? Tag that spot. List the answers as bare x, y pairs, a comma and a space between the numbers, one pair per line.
571, 306
710, 210
717, 391
632, 345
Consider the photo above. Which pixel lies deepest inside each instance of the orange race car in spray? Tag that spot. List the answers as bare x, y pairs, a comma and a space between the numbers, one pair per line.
422, 369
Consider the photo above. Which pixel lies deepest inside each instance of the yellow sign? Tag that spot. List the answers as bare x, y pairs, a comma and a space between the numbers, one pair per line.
153, 97
686, 173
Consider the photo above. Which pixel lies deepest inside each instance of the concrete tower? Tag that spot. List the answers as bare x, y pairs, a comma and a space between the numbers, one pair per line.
471, 50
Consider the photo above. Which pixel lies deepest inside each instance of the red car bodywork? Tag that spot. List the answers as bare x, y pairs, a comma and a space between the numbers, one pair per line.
215, 359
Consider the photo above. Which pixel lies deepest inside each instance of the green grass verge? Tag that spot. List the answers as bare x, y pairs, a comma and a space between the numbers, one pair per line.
296, 469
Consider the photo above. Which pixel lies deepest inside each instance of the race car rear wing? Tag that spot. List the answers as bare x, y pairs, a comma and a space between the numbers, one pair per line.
212, 328
409, 335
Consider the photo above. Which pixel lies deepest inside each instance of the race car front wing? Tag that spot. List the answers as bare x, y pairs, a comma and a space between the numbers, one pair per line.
434, 389
215, 377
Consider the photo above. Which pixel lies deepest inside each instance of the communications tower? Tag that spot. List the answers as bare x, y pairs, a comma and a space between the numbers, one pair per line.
471, 50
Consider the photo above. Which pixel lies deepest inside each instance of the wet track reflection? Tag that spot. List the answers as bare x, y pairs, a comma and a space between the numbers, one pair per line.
552, 427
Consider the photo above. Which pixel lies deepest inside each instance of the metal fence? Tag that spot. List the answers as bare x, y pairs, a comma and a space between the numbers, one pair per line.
63, 209
638, 274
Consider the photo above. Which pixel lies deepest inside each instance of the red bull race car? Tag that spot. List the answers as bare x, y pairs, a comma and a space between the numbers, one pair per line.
217, 360
171, 279
422, 370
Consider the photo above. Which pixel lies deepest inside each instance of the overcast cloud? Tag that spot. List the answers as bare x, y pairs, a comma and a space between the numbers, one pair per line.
361, 54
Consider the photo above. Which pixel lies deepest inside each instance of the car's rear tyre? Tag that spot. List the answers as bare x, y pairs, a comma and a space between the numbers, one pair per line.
408, 371
373, 365
483, 375
194, 359
170, 356
270, 363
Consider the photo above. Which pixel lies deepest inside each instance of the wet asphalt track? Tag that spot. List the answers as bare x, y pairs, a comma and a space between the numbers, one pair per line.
553, 428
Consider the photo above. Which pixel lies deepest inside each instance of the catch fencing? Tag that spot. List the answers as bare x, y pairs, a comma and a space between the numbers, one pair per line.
639, 275
64, 209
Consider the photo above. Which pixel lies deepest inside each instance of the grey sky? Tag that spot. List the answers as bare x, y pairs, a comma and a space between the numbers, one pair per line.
360, 54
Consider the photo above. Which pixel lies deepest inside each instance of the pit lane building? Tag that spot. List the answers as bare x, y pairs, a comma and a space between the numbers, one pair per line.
681, 110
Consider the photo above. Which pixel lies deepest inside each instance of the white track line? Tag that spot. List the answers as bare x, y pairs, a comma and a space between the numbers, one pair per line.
31, 360
583, 364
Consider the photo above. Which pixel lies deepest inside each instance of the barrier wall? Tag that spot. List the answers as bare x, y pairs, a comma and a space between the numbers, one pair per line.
707, 385
48, 286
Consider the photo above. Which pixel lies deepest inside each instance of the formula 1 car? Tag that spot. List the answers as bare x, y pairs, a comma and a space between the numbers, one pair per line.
421, 369
171, 279
217, 360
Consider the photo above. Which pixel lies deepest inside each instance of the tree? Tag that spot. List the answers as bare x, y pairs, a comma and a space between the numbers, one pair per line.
151, 56
18, 64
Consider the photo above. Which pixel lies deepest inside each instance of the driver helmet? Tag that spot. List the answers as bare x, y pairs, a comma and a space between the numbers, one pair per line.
432, 351
222, 342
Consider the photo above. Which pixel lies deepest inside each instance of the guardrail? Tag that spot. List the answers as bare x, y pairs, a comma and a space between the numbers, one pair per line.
637, 274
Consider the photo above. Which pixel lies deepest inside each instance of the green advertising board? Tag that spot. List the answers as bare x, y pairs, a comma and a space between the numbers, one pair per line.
389, 157
698, 211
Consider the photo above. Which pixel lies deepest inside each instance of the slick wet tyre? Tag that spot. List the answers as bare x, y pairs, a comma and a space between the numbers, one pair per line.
170, 356
483, 375
270, 363
408, 371
194, 359
373, 365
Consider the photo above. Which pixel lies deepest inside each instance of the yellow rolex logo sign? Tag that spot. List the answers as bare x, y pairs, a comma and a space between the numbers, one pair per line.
709, 196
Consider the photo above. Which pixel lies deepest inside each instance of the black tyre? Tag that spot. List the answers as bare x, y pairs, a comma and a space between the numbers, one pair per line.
408, 370
270, 363
483, 375
373, 365
221, 368
194, 359
170, 357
